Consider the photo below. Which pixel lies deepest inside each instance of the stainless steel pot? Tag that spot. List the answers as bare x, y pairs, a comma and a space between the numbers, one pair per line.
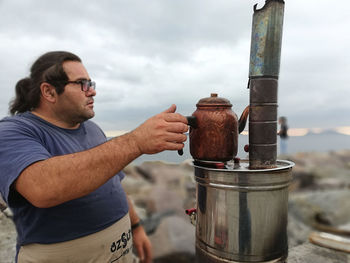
242, 214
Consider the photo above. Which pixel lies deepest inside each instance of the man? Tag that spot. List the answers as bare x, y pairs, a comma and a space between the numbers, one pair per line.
60, 176
283, 133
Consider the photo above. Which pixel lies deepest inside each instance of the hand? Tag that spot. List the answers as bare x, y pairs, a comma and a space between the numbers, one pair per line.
142, 244
164, 131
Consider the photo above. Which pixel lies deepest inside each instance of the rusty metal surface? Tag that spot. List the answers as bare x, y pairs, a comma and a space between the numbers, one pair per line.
264, 67
263, 112
265, 50
263, 90
262, 156
265, 133
263, 123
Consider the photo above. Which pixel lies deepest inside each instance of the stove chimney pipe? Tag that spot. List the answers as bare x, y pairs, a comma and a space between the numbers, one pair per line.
264, 67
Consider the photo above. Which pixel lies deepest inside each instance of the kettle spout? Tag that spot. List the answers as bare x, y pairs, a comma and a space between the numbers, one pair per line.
243, 119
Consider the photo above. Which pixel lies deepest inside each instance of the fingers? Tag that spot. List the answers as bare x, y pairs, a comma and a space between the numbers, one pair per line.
143, 246
169, 115
175, 137
164, 131
174, 146
170, 141
172, 109
177, 127
140, 253
148, 252
174, 117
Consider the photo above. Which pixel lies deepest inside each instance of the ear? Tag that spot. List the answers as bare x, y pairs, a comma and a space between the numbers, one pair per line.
48, 92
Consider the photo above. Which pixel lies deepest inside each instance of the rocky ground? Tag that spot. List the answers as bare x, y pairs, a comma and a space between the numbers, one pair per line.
7, 235
318, 200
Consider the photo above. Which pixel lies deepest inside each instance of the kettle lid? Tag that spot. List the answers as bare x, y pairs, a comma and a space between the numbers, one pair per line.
214, 100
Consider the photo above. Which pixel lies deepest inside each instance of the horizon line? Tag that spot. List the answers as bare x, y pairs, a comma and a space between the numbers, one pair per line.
292, 132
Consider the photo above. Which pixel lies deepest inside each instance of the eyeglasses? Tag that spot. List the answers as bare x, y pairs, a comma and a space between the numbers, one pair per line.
84, 84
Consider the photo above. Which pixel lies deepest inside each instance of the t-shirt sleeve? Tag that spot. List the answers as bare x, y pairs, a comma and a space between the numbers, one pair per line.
121, 175
20, 147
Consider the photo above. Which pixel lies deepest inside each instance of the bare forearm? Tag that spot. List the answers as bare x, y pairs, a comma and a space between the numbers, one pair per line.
63, 178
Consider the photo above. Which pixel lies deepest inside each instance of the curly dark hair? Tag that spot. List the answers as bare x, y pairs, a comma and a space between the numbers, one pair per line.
47, 68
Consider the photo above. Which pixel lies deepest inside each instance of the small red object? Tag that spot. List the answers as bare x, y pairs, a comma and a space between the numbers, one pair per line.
220, 165
246, 148
190, 211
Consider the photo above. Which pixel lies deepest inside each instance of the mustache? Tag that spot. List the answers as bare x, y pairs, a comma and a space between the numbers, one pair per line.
90, 101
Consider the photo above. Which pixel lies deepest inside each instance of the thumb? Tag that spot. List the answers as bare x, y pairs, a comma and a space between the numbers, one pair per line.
172, 109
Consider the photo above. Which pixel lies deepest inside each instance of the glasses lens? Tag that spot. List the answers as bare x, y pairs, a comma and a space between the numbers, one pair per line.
93, 85
87, 84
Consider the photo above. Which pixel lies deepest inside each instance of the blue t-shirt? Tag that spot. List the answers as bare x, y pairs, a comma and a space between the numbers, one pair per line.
25, 139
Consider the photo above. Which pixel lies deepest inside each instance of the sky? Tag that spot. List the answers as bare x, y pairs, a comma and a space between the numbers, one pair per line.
147, 55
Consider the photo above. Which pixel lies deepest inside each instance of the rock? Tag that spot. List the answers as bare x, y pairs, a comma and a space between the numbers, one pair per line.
7, 239
7, 212
318, 171
309, 211
298, 232
3, 205
176, 258
309, 253
172, 187
151, 223
140, 192
174, 236
144, 171
320, 206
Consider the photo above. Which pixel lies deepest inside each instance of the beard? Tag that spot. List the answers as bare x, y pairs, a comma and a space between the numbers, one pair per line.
82, 117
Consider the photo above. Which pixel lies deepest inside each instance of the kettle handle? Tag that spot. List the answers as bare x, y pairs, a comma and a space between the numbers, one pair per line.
192, 122
243, 120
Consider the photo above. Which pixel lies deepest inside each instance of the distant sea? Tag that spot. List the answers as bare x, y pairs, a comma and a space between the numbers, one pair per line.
311, 142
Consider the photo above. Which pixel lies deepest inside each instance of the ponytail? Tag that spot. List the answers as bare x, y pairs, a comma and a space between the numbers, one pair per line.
24, 97
47, 68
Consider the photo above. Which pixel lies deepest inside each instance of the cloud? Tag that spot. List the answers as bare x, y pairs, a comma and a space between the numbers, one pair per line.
146, 55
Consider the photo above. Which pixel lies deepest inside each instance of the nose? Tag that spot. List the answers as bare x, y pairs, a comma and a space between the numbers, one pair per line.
90, 93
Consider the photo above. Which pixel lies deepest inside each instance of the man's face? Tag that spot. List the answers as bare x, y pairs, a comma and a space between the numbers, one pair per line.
75, 105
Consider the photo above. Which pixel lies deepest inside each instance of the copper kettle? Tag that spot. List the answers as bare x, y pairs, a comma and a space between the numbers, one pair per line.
214, 129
